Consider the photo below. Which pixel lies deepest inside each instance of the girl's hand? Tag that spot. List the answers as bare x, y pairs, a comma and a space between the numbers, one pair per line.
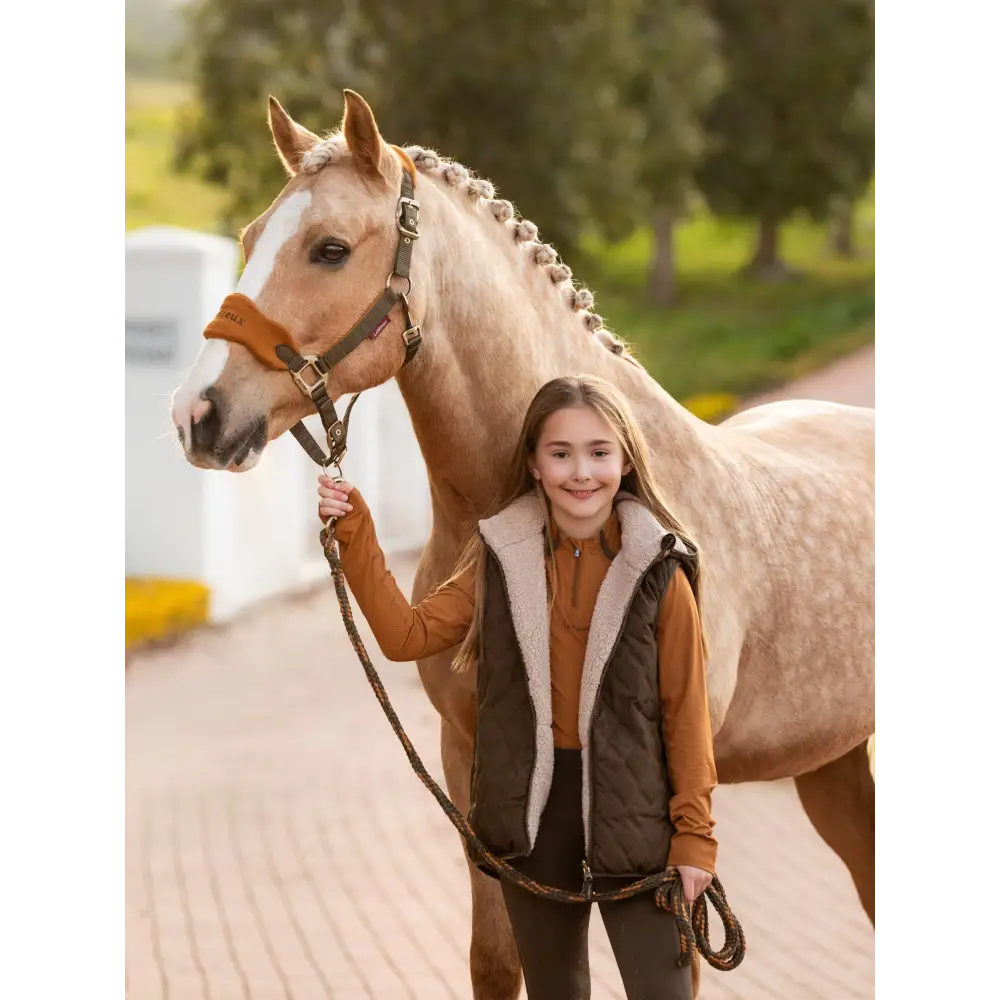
333, 498
695, 882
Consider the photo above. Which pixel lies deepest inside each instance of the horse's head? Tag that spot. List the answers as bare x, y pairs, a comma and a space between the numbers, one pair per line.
316, 260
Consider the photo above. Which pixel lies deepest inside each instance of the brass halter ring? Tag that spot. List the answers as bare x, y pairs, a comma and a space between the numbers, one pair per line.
406, 278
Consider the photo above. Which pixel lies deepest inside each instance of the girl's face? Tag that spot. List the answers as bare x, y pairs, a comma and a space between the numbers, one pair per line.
580, 463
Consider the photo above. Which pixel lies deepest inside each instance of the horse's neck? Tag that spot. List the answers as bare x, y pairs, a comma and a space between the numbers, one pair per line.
494, 332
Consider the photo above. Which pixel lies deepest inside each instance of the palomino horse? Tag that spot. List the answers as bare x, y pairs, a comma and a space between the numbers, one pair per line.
779, 498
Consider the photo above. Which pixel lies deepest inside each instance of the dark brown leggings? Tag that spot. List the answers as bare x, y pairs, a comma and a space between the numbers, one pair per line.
552, 937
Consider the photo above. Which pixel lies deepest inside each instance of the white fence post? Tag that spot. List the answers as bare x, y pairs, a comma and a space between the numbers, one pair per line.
174, 281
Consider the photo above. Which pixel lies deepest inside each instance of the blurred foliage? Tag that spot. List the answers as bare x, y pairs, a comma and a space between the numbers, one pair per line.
679, 75
596, 114
511, 91
154, 32
155, 192
590, 118
528, 93
726, 332
794, 124
304, 52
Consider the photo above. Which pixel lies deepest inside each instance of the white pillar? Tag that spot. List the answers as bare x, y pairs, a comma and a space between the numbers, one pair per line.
405, 510
174, 282
241, 534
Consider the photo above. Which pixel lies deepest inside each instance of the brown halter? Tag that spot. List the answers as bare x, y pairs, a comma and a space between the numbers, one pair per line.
239, 321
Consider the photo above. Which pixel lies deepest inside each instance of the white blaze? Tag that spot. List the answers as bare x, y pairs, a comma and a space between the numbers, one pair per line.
280, 228
207, 368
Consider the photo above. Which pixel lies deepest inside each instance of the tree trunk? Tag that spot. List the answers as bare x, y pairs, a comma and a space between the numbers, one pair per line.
766, 263
842, 228
765, 257
661, 284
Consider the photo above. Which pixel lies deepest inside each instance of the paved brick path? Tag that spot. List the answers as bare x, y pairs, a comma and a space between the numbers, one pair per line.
849, 380
279, 846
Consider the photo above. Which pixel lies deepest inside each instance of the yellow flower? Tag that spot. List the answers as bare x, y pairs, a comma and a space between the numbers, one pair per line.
711, 406
156, 608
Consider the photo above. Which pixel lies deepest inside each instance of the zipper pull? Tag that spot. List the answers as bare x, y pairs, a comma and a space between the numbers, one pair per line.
588, 881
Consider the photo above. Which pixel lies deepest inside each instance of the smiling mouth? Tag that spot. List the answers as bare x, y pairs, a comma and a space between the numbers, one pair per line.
583, 494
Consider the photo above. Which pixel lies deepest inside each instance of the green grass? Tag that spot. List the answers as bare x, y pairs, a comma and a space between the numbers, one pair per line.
725, 334
155, 194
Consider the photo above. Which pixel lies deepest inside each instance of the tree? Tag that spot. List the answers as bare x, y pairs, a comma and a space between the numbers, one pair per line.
679, 75
528, 93
303, 51
784, 133
860, 120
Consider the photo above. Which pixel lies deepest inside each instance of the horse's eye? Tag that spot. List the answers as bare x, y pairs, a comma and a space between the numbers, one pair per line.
330, 252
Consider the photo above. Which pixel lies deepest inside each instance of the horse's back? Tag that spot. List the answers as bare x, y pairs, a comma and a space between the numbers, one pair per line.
819, 433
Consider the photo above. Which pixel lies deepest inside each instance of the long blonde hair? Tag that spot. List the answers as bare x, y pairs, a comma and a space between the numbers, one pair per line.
560, 394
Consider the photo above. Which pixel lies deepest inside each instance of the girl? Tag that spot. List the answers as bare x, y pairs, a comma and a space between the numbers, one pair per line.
577, 605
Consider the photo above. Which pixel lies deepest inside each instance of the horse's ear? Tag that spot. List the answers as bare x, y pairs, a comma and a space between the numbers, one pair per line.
290, 138
361, 133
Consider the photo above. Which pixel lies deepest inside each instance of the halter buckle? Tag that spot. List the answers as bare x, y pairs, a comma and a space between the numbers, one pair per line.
311, 362
408, 214
336, 441
412, 335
